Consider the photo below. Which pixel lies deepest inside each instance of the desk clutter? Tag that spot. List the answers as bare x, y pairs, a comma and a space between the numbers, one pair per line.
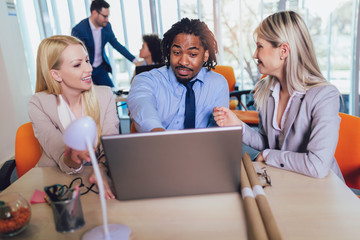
66, 207
210, 217
15, 213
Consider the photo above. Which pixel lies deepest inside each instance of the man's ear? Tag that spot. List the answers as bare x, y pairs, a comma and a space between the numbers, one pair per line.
206, 55
55, 75
284, 50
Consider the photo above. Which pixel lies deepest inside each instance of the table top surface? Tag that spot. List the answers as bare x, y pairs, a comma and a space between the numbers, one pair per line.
304, 208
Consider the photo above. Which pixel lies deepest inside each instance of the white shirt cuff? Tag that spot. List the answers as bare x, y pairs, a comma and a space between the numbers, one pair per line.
266, 153
75, 171
68, 170
135, 60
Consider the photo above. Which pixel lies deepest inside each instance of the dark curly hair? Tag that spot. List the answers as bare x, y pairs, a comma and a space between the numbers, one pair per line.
154, 44
196, 28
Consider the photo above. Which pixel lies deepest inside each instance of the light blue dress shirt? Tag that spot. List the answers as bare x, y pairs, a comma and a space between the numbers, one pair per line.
157, 99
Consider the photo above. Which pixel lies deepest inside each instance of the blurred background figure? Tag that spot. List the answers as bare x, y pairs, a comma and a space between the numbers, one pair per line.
150, 50
95, 32
151, 54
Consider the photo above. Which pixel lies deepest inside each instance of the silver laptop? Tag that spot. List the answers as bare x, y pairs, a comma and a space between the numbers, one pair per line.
174, 163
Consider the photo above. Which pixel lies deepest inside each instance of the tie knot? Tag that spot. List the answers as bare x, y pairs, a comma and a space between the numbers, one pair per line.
189, 85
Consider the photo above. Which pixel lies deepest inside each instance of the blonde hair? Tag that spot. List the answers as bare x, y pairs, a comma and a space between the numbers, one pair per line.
302, 70
49, 57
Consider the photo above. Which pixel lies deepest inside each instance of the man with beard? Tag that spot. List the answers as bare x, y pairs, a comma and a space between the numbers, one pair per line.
95, 32
183, 93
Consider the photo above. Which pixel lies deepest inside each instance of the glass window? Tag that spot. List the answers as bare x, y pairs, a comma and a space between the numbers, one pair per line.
133, 31
238, 39
120, 75
30, 33
330, 25
64, 16
146, 15
167, 7
79, 10
189, 9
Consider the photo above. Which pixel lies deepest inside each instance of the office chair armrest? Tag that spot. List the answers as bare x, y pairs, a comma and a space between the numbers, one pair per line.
121, 92
5, 173
238, 95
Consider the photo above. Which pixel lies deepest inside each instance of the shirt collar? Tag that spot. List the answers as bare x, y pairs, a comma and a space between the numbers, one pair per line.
92, 26
276, 91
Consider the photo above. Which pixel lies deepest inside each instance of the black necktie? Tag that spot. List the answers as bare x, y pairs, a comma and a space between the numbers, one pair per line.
189, 106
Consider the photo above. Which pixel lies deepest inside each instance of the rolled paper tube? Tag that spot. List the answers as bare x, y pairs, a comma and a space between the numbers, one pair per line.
255, 226
261, 200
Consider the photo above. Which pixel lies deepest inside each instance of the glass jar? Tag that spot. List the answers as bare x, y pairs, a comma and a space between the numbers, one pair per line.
15, 213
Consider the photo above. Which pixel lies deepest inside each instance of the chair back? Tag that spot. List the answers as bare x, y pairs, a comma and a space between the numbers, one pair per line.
145, 68
228, 73
133, 128
347, 151
27, 149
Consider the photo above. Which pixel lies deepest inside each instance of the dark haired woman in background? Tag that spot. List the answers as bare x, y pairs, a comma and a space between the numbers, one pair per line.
150, 50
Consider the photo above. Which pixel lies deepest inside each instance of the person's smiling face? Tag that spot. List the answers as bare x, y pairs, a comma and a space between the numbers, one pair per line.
75, 70
187, 56
268, 58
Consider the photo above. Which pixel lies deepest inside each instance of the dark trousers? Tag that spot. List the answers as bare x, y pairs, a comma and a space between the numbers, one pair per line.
100, 76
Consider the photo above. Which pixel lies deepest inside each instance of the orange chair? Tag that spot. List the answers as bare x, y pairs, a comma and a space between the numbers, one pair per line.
347, 151
133, 128
229, 75
27, 149
247, 116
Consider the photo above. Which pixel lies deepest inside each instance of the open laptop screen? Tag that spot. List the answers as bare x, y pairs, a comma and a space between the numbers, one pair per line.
174, 163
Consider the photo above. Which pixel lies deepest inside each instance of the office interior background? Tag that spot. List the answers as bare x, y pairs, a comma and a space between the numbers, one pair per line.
334, 27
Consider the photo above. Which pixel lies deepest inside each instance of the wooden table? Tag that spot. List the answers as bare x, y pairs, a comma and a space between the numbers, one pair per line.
304, 208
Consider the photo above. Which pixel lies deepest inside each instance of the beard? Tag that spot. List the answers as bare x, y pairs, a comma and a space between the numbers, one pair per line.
183, 80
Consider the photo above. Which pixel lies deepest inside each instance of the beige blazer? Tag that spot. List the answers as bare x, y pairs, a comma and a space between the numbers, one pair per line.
310, 133
49, 131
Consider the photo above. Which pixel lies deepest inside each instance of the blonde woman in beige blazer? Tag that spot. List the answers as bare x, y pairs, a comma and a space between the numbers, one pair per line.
298, 108
64, 92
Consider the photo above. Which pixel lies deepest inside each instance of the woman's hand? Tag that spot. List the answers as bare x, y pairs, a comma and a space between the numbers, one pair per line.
74, 158
260, 157
107, 189
225, 117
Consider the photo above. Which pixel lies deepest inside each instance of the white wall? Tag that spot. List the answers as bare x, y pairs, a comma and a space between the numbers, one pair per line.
15, 88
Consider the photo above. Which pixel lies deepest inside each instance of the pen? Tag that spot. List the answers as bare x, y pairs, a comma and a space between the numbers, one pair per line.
74, 196
76, 192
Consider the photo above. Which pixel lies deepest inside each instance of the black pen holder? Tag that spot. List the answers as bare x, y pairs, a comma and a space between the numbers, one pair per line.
68, 215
